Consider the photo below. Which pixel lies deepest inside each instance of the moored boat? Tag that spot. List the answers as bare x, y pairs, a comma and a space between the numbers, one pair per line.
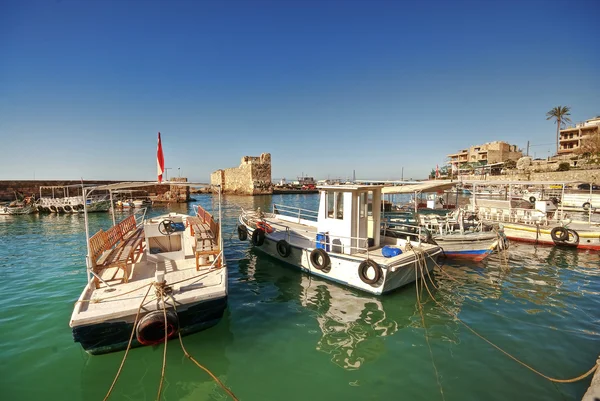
538, 221
140, 270
341, 242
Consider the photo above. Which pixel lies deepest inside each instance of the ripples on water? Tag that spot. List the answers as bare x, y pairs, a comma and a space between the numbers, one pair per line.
290, 336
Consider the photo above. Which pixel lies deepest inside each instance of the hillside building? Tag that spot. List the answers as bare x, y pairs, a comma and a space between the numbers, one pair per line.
571, 137
486, 154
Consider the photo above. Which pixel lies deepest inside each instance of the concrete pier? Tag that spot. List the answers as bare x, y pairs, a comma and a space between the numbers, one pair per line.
593, 392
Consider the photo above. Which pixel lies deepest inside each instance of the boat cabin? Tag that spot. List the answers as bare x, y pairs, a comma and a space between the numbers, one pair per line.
344, 222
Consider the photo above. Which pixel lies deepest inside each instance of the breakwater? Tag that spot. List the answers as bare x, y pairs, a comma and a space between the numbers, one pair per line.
8, 188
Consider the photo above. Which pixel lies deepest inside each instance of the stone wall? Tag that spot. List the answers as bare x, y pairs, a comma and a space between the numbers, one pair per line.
32, 187
590, 176
252, 177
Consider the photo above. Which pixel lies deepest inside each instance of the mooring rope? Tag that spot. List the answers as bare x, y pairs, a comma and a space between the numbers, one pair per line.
137, 316
572, 380
161, 289
437, 375
191, 358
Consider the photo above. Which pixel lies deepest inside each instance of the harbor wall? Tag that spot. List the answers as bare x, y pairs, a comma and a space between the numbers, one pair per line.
32, 187
252, 177
591, 176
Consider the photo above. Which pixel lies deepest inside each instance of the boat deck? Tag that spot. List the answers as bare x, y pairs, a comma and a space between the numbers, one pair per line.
115, 299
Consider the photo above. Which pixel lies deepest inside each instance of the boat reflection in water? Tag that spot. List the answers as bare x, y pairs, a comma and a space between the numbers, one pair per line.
352, 324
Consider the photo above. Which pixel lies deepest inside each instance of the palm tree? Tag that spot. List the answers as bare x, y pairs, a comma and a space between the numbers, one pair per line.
559, 113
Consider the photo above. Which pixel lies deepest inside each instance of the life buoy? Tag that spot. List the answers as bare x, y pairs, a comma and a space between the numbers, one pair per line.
586, 205
559, 234
532, 199
364, 267
242, 232
151, 328
320, 260
68, 208
284, 248
263, 225
258, 237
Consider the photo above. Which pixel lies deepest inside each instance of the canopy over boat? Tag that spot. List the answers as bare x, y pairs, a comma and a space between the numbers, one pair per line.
426, 186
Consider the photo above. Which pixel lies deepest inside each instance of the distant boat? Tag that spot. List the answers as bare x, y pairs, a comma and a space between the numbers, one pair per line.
58, 199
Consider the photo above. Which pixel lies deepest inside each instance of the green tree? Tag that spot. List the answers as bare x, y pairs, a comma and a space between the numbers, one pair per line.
559, 114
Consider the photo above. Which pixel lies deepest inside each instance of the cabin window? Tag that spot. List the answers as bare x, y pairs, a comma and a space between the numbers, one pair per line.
362, 205
330, 204
339, 205
335, 205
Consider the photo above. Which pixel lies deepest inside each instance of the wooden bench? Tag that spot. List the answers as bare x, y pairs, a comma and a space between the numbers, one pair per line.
116, 247
205, 231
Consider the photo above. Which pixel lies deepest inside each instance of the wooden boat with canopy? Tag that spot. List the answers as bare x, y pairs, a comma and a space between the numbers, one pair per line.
147, 275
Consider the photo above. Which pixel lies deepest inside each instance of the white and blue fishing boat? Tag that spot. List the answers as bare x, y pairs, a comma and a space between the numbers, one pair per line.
459, 234
342, 242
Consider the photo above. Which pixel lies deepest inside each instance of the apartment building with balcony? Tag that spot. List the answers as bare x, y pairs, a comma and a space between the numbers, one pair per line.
488, 153
571, 137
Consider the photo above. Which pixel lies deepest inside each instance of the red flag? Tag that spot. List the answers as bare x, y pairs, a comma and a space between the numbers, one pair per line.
160, 160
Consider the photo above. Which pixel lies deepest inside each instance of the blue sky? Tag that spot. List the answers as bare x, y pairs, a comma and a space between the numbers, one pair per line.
326, 86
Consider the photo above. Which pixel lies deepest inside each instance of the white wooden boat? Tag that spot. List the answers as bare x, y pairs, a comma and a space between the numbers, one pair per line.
176, 259
69, 199
341, 242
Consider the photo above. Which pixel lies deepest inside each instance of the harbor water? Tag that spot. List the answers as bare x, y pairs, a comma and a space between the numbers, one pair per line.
290, 336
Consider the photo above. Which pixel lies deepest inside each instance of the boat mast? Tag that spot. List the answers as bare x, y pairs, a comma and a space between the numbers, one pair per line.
87, 234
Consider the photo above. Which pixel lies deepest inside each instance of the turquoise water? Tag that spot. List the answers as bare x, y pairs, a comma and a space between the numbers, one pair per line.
287, 336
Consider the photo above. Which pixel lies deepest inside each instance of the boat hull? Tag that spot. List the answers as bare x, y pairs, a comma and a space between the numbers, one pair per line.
344, 268
105, 337
475, 247
525, 233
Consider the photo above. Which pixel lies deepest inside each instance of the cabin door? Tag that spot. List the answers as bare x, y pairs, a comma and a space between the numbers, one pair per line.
362, 231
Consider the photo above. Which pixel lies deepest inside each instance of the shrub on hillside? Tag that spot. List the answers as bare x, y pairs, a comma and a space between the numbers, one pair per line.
564, 166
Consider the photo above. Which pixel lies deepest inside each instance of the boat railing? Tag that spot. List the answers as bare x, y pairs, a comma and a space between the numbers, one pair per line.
404, 230
140, 216
292, 211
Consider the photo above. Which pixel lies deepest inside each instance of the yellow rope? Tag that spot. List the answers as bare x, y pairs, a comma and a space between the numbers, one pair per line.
437, 375
575, 379
137, 316
191, 358
164, 364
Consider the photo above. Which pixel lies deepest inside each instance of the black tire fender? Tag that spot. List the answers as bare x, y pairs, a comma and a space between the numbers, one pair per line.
242, 232
586, 205
559, 234
572, 238
258, 237
284, 249
320, 260
532, 199
363, 268
151, 328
